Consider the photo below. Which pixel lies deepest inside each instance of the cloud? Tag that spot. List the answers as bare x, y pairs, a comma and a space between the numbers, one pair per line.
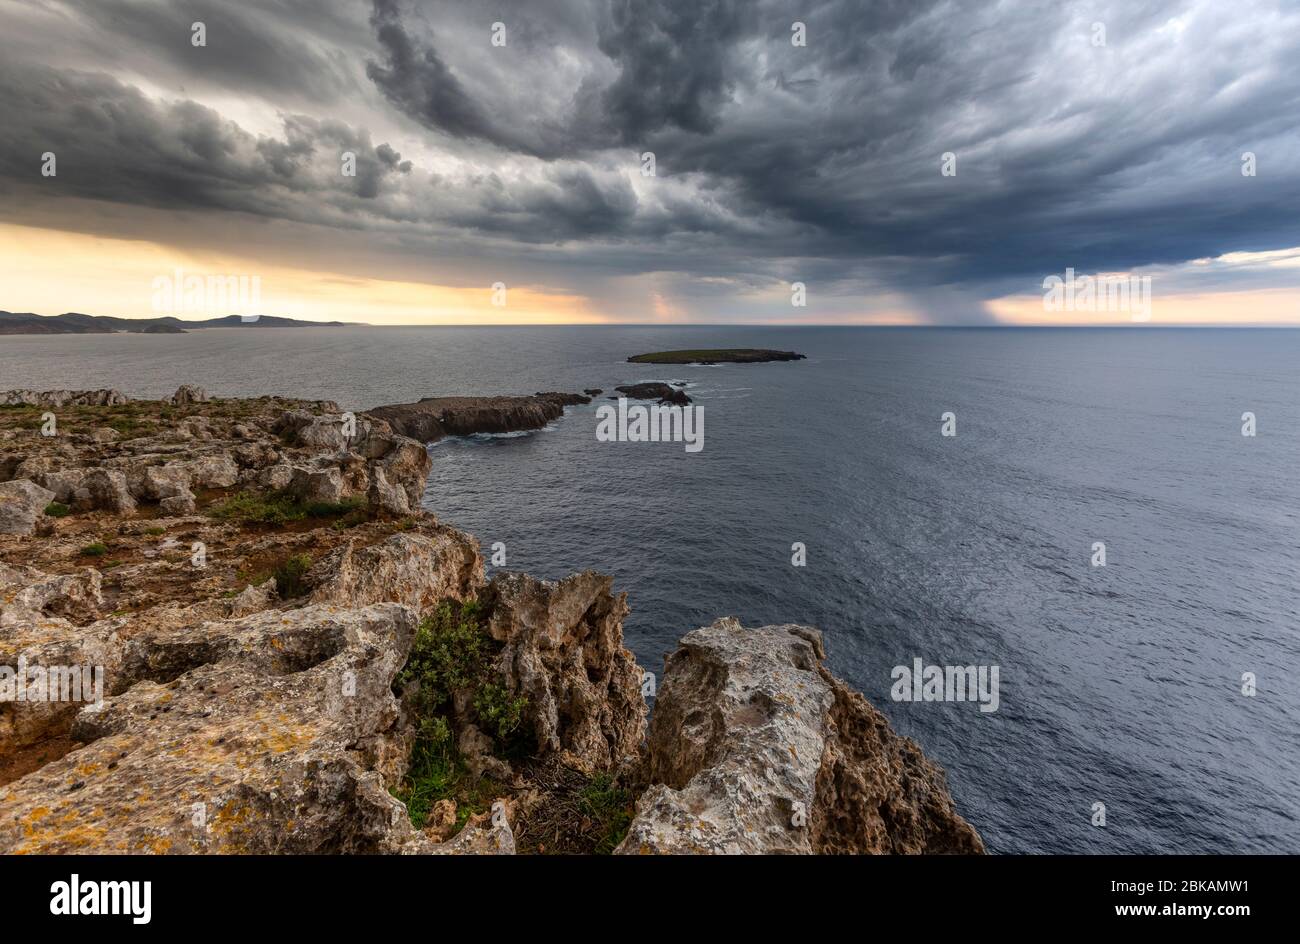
774, 162
416, 80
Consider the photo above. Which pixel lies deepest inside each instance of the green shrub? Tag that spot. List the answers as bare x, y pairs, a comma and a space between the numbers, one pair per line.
452, 655
288, 576
447, 655
57, 509
499, 713
98, 549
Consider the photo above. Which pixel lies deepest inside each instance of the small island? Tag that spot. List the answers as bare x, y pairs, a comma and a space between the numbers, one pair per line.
736, 355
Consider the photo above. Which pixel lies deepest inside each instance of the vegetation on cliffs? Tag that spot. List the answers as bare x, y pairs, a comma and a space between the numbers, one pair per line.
289, 576
450, 664
281, 507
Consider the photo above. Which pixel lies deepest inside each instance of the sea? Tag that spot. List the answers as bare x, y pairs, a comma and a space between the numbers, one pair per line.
1150, 704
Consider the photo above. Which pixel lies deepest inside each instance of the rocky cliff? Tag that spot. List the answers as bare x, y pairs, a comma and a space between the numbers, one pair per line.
433, 418
256, 641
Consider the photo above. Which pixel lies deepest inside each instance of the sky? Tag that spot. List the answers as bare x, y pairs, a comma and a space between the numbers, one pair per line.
894, 162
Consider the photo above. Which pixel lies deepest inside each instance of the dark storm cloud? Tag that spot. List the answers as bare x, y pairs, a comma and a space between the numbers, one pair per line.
675, 63
416, 80
114, 143
263, 48
774, 161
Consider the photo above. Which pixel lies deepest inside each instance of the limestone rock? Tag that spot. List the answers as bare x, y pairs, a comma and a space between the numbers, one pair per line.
563, 650
106, 489
324, 432
276, 477
483, 834
406, 465
186, 394
63, 484
654, 391
385, 497
475, 749
32, 638
22, 502
60, 398
270, 743
33, 467
419, 570
318, 484
26, 593
756, 748
156, 482
253, 598
177, 505
215, 471
435, 417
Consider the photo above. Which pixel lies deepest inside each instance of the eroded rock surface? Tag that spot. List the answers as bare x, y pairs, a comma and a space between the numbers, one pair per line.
756, 748
22, 503
281, 739
61, 398
563, 649
420, 570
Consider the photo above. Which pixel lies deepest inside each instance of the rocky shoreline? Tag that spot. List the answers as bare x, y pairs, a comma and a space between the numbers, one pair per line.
289, 646
432, 418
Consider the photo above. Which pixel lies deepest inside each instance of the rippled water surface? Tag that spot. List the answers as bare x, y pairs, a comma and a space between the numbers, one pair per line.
1119, 685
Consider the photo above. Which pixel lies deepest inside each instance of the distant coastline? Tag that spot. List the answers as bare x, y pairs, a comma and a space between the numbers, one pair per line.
13, 322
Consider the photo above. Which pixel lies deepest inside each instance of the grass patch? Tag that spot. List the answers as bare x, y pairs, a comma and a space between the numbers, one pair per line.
281, 507
57, 510
358, 515
98, 549
154, 532
611, 808
438, 773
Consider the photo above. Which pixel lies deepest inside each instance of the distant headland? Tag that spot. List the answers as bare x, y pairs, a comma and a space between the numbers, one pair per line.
17, 322
735, 355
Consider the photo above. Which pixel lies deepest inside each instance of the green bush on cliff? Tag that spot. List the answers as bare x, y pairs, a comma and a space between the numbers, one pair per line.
57, 509
288, 576
448, 655
452, 655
